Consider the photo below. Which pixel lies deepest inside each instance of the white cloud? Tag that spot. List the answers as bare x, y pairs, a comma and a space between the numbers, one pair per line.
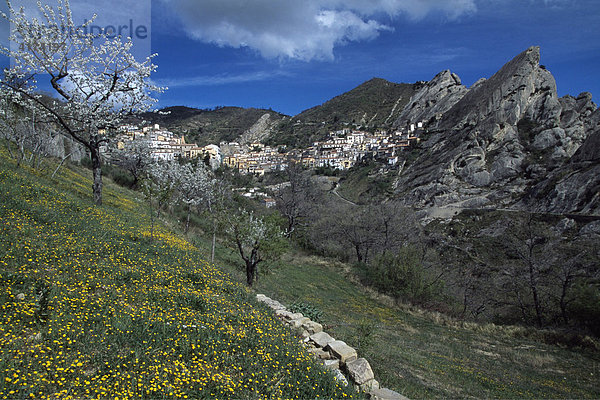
301, 29
222, 79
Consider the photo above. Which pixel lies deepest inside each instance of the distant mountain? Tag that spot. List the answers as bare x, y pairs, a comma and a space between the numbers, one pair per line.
376, 103
206, 126
508, 141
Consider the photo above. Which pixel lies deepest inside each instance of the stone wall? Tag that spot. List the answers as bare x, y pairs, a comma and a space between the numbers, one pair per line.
334, 354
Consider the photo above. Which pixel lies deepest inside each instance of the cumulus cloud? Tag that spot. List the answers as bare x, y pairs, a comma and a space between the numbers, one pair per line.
301, 29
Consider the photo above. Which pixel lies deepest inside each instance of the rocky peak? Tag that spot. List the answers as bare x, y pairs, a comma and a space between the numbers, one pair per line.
500, 137
520, 89
433, 99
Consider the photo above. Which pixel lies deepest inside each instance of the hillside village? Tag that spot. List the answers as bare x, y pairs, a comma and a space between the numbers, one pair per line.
342, 150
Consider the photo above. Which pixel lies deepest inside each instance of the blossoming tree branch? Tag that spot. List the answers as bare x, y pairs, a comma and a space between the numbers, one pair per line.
94, 77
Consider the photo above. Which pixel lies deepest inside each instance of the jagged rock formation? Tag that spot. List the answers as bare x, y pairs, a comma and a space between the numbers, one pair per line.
433, 99
575, 187
503, 136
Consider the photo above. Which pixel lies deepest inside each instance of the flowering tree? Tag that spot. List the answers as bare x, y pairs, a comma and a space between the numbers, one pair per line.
162, 179
256, 238
95, 77
199, 188
195, 188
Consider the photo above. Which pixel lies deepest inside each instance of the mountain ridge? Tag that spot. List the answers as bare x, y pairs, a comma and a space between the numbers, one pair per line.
508, 141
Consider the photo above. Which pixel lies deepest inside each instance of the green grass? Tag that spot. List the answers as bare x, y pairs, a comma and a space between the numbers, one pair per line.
91, 306
425, 355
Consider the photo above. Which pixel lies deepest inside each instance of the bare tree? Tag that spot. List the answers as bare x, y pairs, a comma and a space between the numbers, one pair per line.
530, 245
578, 265
296, 201
370, 229
215, 202
19, 127
356, 227
95, 76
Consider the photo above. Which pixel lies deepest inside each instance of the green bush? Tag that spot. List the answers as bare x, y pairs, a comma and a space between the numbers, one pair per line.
585, 310
402, 276
364, 333
308, 310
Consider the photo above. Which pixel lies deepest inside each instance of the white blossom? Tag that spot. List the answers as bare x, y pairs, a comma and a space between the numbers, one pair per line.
95, 77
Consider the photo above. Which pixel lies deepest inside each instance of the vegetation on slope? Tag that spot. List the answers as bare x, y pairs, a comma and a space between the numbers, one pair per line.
367, 182
92, 307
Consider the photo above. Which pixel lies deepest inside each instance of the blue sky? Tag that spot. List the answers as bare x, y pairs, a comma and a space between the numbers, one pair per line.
291, 55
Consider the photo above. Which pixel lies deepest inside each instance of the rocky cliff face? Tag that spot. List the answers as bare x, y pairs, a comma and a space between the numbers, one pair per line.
491, 144
433, 99
573, 187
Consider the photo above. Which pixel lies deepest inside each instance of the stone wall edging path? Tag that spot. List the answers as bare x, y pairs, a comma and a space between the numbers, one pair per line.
335, 355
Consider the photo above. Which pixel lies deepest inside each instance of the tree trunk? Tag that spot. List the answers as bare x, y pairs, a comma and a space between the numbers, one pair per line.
214, 242
563, 299
97, 172
151, 221
8, 146
250, 272
358, 255
534, 292
61, 163
187, 219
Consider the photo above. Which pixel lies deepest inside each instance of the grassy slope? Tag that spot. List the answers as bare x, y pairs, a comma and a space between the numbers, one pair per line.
425, 356
124, 315
117, 313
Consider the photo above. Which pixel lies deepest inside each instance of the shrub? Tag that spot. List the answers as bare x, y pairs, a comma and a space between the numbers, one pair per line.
308, 310
364, 333
585, 310
403, 276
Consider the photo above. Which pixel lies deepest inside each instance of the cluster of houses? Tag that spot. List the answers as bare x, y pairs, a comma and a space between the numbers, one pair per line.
164, 145
342, 150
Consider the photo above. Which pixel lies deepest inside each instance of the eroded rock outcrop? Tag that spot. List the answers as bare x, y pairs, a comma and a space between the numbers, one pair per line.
259, 131
502, 137
433, 99
573, 187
